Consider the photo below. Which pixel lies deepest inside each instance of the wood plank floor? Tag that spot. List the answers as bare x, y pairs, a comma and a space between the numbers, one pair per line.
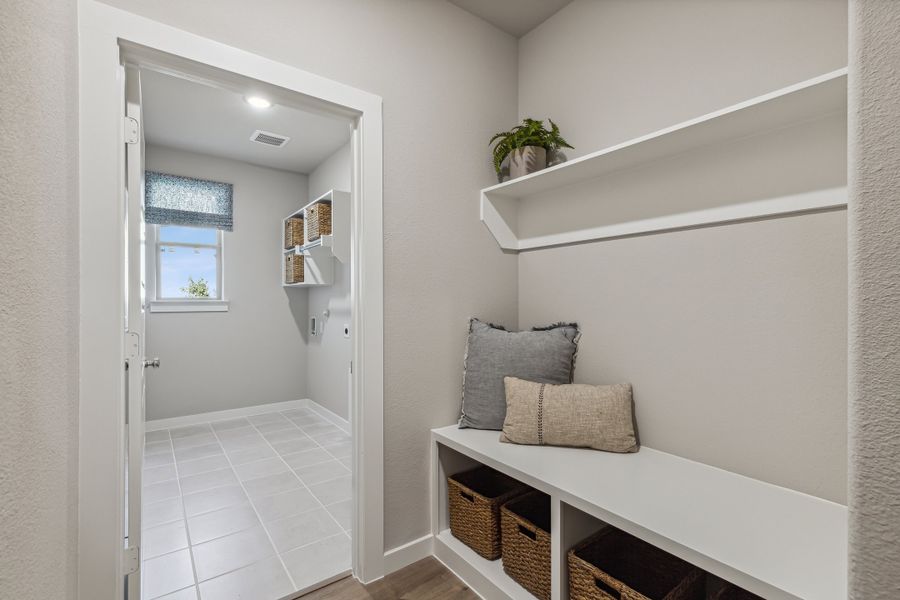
427, 579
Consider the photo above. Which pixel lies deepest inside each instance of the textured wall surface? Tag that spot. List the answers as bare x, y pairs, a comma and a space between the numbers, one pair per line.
448, 80
607, 71
874, 236
38, 300
329, 353
731, 335
256, 352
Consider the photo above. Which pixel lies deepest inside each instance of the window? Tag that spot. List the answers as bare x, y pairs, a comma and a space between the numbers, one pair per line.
187, 218
189, 263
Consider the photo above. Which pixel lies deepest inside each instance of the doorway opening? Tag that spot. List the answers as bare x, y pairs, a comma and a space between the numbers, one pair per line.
121, 235
244, 293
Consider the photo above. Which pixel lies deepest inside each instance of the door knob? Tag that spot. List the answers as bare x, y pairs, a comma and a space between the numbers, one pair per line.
153, 362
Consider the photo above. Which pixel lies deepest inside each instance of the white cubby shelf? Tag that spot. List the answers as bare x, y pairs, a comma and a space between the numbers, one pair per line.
319, 255
773, 541
522, 213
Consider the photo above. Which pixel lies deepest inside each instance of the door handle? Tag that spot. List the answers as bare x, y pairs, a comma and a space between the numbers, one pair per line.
153, 362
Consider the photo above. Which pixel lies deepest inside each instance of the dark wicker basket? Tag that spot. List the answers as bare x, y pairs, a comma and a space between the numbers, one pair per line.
318, 218
293, 268
474, 499
613, 565
719, 589
293, 232
526, 542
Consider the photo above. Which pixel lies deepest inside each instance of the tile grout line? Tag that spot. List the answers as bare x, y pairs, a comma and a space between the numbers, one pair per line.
184, 520
187, 530
232, 467
253, 506
322, 504
303, 483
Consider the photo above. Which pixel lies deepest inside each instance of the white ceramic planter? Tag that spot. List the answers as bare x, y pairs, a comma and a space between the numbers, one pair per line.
529, 159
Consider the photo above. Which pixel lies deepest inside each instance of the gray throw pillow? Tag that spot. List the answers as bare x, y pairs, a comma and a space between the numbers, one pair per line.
545, 355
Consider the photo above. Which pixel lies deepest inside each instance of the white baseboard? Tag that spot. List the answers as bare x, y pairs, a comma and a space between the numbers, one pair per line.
221, 415
405, 555
335, 419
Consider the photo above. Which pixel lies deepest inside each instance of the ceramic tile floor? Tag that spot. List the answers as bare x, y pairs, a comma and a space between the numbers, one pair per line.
255, 507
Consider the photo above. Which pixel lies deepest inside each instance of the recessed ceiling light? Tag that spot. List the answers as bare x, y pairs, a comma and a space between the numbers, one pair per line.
258, 102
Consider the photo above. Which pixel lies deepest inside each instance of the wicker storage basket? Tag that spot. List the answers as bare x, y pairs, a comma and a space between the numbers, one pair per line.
318, 218
293, 232
474, 499
613, 565
293, 268
526, 542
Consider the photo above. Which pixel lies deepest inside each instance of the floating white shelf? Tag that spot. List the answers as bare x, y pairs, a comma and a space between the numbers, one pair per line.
505, 207
772, 541
319, 255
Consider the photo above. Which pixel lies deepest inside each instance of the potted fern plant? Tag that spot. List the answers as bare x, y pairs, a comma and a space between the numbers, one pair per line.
527, 146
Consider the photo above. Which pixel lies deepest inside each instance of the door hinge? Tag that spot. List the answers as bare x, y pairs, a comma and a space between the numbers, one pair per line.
132, 130
351, 366
131, 560
132, 345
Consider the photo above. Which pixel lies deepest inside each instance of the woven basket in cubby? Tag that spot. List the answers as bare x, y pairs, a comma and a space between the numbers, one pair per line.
613, 565
525, 522
318, 220
474, 500
293, 232
293, 268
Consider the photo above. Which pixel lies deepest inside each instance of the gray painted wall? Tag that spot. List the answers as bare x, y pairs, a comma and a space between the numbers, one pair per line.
437, 67
734, 337
38, 299
256, 352
329, 353
874, 300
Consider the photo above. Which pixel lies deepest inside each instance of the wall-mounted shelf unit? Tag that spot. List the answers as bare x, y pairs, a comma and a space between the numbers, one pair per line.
515, 211
775, 542
320, 254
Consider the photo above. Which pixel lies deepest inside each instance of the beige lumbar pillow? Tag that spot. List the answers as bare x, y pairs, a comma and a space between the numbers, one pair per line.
578, 415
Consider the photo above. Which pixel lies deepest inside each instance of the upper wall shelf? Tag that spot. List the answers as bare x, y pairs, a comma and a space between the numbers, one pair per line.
614, 180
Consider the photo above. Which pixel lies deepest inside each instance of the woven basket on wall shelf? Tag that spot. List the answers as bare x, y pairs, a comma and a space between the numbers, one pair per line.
293, 268
474, 499
526, 542
613, 565
318, 217
293, 232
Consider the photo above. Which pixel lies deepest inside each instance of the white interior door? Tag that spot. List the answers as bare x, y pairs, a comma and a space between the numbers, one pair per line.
134, 326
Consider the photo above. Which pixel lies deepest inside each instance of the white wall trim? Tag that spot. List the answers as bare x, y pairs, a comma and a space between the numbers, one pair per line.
333, 418
195, 306
221, 415
103, 32
410, 552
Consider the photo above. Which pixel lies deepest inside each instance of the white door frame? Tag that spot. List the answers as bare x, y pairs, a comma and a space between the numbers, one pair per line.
103, 30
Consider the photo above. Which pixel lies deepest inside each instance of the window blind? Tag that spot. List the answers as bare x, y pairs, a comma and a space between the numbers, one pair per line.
177, 200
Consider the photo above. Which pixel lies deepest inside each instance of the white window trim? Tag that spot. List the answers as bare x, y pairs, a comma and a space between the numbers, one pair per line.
176, 305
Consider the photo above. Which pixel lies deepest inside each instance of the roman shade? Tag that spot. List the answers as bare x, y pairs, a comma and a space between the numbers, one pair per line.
177, 200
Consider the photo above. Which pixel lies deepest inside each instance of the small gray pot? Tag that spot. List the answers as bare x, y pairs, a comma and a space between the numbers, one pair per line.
529, 159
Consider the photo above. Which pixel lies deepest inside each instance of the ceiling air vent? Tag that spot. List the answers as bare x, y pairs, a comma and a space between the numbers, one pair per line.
269, 139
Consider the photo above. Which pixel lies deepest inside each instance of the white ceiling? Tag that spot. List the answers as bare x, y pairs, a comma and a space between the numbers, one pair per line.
517, 17
193, 116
